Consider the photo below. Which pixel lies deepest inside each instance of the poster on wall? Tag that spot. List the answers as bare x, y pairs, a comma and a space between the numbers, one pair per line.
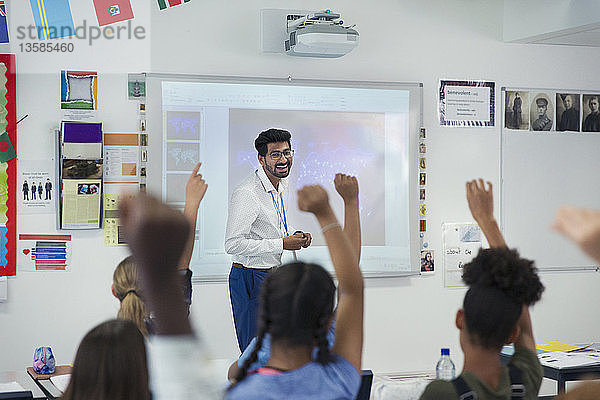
8, 169
44, 252
81, 203
467, 103
114, 191
36, 187
461, 243
121, 156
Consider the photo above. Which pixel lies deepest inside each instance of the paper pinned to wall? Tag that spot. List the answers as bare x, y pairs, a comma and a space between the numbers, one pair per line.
81, 203
462, 242
37, 187
79, 90
44, 252
121, 156
113, 192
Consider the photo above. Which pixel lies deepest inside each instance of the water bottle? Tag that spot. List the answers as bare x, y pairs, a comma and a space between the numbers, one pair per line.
445, 367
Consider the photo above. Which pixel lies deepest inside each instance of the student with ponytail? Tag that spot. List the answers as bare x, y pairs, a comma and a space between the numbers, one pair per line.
125, 285
296, 309
125, 288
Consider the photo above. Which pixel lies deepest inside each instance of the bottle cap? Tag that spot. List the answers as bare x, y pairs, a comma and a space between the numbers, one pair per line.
445, 352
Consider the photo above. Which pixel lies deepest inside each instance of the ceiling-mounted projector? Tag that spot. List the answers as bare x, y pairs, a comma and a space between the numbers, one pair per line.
320, 34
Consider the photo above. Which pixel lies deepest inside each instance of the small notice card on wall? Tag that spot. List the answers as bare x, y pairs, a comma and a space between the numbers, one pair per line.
461, 244
467, 103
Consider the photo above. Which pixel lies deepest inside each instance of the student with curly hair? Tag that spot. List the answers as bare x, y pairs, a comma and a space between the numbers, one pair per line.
495, 312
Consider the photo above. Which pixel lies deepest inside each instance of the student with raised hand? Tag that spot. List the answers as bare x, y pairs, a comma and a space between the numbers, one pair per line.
296, 308
582, 226
110, 364
495, 312
125, 285
347, 188
178, 364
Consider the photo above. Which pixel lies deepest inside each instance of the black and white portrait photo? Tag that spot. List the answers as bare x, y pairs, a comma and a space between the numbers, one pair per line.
516, 113
591, 113
567, 112
541, 112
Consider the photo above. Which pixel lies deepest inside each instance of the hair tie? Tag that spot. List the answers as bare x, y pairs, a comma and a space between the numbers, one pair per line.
130, 291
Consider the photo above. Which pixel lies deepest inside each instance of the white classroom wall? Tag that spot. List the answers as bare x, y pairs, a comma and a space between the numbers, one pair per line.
407, 319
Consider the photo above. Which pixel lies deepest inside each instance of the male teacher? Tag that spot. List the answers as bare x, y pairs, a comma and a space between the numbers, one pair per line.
257, 229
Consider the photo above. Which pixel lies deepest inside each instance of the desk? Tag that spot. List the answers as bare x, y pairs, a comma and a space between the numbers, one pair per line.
561, 376
23, 379
44, 382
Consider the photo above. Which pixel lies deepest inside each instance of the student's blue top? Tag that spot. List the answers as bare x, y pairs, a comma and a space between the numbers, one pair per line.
335, 380
265, 351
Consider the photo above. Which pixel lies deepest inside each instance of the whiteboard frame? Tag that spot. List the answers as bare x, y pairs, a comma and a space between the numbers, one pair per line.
502, 213
154, 185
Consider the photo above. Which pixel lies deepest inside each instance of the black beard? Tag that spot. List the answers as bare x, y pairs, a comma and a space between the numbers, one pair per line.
278, 174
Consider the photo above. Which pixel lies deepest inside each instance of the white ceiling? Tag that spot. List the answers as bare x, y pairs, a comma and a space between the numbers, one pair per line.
561, 22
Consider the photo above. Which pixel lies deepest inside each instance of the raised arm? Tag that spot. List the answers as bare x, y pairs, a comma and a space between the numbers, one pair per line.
481, 204
347, 187
349, 322
582, 227
157, 236
194, 193
525, 337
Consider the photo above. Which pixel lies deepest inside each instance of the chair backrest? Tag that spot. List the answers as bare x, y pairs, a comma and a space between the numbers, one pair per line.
366, 381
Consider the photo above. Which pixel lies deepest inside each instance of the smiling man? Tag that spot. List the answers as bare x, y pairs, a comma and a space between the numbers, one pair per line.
257, 229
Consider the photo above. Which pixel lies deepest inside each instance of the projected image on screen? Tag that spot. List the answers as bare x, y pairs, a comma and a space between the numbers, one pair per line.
324, 143
362, 131
183, 125
182, 156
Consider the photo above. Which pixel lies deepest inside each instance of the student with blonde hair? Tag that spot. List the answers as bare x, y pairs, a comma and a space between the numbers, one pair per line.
125, 288
125, 285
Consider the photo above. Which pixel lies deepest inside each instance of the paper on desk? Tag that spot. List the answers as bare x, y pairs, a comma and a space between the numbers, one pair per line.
559, 346
61, 381
11, 387
559, 359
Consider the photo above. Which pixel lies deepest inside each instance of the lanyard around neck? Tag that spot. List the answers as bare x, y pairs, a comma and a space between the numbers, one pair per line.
280, 213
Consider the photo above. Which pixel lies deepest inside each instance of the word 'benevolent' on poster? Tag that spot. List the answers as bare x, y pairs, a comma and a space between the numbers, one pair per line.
466, 103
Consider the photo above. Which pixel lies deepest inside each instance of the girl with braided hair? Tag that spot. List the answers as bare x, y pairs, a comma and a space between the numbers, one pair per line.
296, 309
347, 188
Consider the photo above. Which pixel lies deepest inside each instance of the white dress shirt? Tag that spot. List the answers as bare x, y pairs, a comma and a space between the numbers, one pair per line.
256, 222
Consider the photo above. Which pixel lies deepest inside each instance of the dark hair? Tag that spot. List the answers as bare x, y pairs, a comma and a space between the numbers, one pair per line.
501, 282
272, 135
110, 364
295, 307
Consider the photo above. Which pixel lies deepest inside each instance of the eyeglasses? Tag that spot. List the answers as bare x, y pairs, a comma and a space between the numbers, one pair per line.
276, 155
